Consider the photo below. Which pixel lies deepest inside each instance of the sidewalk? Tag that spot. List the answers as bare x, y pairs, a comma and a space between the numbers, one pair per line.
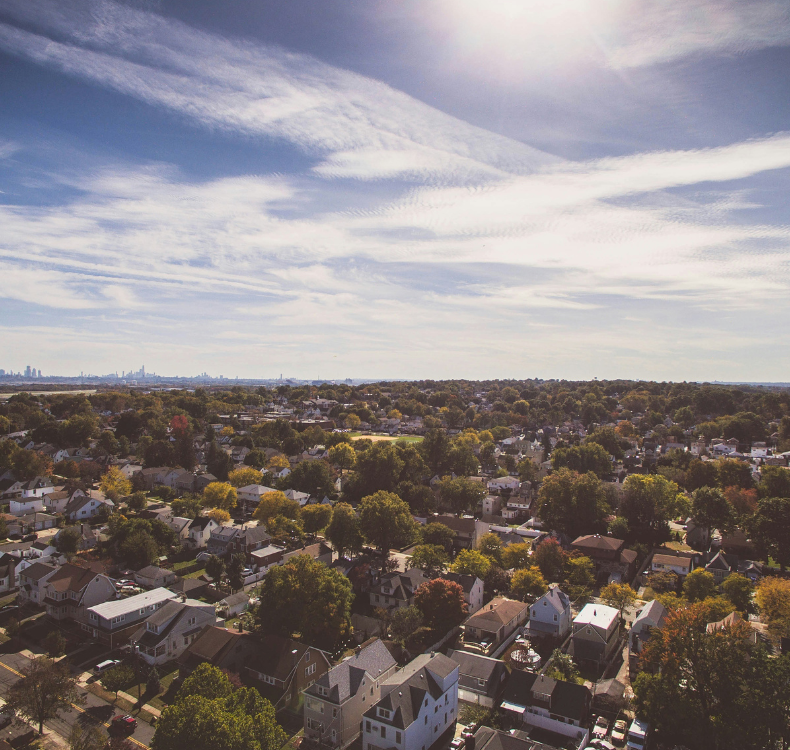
82, 680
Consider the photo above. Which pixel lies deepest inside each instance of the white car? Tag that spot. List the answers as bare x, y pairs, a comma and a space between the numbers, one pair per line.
105, 665
601, 728
203, 557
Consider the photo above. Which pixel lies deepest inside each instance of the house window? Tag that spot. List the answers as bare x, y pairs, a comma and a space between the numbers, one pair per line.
186, 640
384, 713
309, 670
334, 713
307, 656
367, 726
481, 683
384, 733
316, 706
555, 618
398, 737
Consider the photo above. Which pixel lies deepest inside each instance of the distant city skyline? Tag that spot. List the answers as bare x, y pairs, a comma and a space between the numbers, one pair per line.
433, 189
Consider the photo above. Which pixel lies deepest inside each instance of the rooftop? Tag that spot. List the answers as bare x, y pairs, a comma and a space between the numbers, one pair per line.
598, 615
108, 610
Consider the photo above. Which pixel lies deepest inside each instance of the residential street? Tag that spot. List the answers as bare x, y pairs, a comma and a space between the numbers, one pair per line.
95, 708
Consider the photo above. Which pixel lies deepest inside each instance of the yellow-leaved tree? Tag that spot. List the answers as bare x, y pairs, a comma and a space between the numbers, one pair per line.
114, 484
220, 495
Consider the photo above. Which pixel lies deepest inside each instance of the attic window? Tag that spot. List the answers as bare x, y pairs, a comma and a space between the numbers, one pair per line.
384, 713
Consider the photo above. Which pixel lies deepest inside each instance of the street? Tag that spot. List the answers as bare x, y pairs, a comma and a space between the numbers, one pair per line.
95, 709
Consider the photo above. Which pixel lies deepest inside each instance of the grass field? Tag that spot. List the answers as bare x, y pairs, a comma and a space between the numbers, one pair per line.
403, 439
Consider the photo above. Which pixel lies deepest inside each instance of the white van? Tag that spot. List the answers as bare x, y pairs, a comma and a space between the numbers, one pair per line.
6, 713
105, 665
637, 735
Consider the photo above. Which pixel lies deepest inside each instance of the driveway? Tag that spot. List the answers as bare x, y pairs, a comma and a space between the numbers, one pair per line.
95, 709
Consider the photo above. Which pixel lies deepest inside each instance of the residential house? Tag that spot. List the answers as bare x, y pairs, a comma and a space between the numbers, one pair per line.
39, 521
481, 680
318, 551
609, 555
157, 512
219, 540
493, 624
300, 497
31, 582
396, 589
492, 505
266, 557
596, 631
37, 487
681, 565
467, 530
246, 541
234, 604
23, 506
202, 481
43, 548
181, 527
473, 589
113, 622
334, 704
191, 588
503, 484
553, 705
721, 565
8, 565
56, 502
83, 508
737, 543
171, 629
651, 616
730, 621
551, 614
89, 537
153, 577
199, 531
250, 495
72, 590
417, 705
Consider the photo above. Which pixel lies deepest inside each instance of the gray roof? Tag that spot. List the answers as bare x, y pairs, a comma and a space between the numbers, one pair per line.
344, 679
38, 570
474, 665
466, 582
152, 571
233, 599
108, 610
172, 608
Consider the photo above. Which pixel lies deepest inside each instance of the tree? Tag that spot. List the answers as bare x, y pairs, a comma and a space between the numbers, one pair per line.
312, 477
527, 470
490, 545
699, 585
562, 667
343, 456
438, 533
205, 681
136, 501
582, 459
431, 559
711, 690
220, 495
517, 556
353, 421
86, 737
153, 685
114, 484
441, 603
277, 463
773, 599
285, 531
343, 531
460, 494
743, 502
618, 528
245, 476
701, 474
306, 596
220, 515
710, 509
738, 589
470, 562
573, 503
316, 517
235, 571
579, 577
188, 506
770, 528
12, 627
215, 568
276, 503
528, 584
139, 549
774, 482
649, 502
404, 622
55, 643
386, 520
117, 678
618, 595
46, 689
68, 541
550, 558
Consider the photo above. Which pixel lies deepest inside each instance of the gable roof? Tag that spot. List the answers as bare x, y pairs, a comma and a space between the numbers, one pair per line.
71, 577
557, 598
496, 613
598, 542
567, 698
37, 571
475, 665
466, 582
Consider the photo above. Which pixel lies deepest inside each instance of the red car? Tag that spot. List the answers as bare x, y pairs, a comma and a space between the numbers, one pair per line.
123, 724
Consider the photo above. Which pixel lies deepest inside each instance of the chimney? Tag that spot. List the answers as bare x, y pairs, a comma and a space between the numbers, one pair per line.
357, 650
433, 653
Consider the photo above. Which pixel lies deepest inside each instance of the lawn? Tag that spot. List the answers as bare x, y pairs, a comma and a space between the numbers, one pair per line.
195, 573
167, 673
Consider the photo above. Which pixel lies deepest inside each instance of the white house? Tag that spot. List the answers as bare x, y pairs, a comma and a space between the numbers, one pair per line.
56, 502
171, 629
417, 705
672, 564
551, 614
595, 634
473, 590
199, 532
37, 487
652, 615
503, 483
83, 508
24, 505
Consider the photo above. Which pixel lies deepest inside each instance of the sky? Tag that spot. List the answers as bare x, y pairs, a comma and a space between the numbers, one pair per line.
412, 189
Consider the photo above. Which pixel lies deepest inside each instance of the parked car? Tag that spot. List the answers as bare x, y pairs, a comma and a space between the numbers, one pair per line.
600, 745
458, 743
123, 724
618, 732
202, 557
105, 665
6, 714
601, 728
30, 537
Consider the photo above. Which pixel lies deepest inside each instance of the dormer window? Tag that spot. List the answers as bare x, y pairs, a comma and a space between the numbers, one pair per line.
322, 691
384, 713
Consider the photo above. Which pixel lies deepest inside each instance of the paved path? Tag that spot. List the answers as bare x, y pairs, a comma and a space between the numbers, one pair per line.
95, 708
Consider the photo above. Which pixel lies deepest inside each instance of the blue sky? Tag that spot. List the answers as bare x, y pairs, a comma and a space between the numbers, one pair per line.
432, 188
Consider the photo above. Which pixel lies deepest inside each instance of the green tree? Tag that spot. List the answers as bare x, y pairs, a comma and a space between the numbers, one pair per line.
710, 510
404, 623
528, 584
731, 473
470, 562
117, 678
441, 603
699, 585
550, 558
235, 571
86, 737
579, 577
343, 456
649, 502
618, 595
46, 689
312, 477
562, 667
68, 541
582, 459
386, 520
343, 531
701, 474
206, 681
431, 559
738, 589
55, 643
438, 533
517, 556
527, 470
573, 503
490, 545
306, 596
460, 494
770, 528
136, 501
188, 506
316, 517
215, 568
774, 482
